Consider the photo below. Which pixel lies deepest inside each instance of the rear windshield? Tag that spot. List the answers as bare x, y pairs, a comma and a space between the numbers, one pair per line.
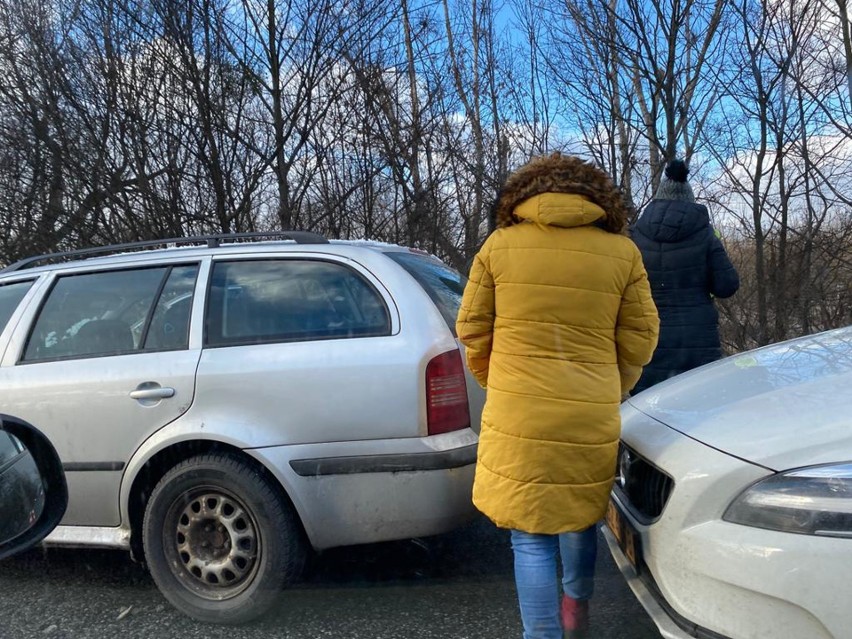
443, 284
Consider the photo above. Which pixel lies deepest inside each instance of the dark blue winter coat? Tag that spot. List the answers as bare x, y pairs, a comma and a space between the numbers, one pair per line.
686, 265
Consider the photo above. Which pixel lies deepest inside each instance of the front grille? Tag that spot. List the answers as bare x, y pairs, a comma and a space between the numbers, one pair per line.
645, 487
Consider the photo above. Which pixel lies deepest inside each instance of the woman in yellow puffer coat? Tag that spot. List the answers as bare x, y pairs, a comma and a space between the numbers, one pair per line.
558, 321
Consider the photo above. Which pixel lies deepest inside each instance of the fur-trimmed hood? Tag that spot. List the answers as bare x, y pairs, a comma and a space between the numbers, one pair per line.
559, 173
559, 209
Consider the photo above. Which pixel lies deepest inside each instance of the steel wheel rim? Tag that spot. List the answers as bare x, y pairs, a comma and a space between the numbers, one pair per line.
213, 543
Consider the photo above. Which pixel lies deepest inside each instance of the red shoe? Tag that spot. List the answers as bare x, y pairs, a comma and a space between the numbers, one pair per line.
575, 617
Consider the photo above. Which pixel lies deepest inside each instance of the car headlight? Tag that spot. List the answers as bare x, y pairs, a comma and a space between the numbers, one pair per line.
811, 501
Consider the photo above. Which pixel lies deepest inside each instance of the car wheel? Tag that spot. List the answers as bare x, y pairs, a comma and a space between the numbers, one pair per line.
220, 540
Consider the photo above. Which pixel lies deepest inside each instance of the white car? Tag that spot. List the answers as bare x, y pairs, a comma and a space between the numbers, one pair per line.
731, 517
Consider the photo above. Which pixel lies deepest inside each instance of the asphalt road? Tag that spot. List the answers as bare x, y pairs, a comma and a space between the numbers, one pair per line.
454, 586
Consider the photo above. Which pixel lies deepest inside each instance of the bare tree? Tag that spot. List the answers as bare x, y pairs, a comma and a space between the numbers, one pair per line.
843, 21
673, 49
585, 54
780, 161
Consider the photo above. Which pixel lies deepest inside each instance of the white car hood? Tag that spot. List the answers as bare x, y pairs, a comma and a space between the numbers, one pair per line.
781, 406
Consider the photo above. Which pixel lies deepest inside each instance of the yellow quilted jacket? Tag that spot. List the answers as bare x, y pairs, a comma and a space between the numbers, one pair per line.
557, 320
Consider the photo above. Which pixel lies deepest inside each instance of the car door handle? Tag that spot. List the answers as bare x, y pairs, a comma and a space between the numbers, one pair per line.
161, 392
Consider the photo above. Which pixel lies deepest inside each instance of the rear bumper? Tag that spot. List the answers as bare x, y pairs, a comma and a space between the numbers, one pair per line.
349, 493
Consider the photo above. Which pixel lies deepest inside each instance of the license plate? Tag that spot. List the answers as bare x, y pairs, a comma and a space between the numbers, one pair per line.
625, 535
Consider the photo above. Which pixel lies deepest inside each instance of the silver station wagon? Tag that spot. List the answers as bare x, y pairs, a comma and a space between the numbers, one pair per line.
221, 405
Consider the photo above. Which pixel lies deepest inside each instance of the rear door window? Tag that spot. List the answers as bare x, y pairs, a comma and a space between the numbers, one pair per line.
260, 301
111, 313
10, 296
443, 284
169, 325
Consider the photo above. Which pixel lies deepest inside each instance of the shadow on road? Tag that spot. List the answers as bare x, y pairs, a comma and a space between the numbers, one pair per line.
476, 550
458, 586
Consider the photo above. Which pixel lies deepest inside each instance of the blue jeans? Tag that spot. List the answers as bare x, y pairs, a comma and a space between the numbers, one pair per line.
536, 577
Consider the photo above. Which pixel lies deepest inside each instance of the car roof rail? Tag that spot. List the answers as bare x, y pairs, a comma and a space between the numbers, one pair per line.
212, 241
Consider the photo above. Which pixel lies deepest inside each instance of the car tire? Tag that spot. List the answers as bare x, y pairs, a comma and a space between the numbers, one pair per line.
220, 539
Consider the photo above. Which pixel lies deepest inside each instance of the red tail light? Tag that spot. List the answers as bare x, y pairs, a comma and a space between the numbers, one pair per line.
446, 394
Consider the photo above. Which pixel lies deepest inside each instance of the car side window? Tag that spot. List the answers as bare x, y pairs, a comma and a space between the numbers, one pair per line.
444, 285
169, 325
93, 314
10, 296
258, 301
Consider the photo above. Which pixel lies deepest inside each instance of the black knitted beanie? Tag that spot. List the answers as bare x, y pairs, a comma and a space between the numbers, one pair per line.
674, 186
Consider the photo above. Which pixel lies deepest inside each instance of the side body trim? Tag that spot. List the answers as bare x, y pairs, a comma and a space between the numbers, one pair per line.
395, 463
70, 467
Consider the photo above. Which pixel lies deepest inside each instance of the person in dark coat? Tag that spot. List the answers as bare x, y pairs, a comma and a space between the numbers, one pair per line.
687, 266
